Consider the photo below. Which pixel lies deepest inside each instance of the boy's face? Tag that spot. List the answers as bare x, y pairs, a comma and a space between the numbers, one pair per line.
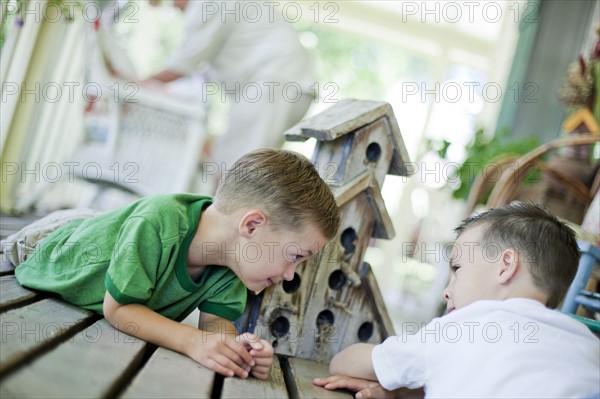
473, 270
270, 256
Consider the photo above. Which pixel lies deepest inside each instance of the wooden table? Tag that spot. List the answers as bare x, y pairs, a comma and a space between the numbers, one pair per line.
52, 349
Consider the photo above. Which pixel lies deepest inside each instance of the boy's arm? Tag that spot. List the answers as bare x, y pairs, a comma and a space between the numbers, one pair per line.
218, 352
354, 361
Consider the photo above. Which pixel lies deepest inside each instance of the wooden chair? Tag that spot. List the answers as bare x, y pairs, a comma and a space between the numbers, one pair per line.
139, 140
577, 294
484, 182
151, 145
509, 187
513, 171
505, 189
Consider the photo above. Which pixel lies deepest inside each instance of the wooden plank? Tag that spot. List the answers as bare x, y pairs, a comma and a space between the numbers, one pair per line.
341, 118
352, 189
10, 224
271, 388
95, 363
302, 374
30, 329
169, 374
12, 294
6, 267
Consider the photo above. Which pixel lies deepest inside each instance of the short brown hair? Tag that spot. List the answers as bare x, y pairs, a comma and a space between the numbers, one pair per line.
548, 245
283, 183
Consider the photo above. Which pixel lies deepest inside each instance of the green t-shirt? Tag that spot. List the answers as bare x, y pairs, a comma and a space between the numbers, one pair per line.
139, 254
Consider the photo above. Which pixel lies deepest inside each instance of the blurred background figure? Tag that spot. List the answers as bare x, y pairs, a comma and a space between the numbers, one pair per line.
253, 62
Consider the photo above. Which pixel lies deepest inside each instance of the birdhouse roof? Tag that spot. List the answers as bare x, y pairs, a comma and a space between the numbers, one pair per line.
366, 183
345, 117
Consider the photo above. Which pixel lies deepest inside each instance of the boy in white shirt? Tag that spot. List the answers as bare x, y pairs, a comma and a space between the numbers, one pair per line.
510, 267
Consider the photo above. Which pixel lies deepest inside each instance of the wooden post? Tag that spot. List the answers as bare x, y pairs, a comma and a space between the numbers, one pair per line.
334, 300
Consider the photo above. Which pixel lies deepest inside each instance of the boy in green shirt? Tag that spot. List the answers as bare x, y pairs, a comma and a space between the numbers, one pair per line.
150, 264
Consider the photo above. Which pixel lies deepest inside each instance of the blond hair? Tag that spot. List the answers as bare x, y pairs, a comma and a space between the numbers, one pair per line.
285, 185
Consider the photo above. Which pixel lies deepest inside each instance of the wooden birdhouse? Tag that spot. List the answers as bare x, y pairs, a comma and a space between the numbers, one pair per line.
333, 300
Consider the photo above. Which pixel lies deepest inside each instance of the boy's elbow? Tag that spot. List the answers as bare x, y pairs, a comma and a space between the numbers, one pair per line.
109, 307
334, 365
354, 361
108, 313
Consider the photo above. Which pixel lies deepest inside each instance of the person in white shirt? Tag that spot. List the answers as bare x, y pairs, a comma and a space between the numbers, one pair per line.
260, 67
510, 267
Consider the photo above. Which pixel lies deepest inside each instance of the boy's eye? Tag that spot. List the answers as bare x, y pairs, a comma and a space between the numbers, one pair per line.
295, 258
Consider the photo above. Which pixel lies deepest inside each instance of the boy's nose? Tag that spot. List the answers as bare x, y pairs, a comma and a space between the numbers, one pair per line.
289, 274
446, 294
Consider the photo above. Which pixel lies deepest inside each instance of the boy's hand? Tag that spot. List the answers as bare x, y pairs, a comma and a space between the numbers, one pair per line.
262, 353
364, 388
223, 354
215, 345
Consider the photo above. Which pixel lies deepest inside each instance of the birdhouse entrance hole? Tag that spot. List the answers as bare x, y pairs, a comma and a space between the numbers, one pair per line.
280, 327
348, 238
365, 331
373, 152
337, 279
292, 286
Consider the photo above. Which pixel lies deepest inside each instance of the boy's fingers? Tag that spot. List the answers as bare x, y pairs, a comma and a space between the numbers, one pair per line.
220, 369
374, 393
248, 337
231, 367
322, 381
336, 385
256, 346
263, 360
251, 340
260, 376
266, 348
240, 354
261, 354
261, 369
363, 394
338, 381
266, 351
236, 359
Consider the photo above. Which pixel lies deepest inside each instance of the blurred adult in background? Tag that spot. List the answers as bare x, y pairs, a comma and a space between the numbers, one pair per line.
260, 69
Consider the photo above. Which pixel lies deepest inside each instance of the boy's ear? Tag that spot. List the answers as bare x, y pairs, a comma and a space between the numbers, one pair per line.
250, 221
510, 261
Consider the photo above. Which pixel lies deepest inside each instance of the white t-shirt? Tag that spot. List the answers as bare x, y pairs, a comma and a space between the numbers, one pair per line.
493, 349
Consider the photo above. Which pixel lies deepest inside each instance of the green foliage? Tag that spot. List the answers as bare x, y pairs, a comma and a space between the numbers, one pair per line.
359, 67
484, 150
